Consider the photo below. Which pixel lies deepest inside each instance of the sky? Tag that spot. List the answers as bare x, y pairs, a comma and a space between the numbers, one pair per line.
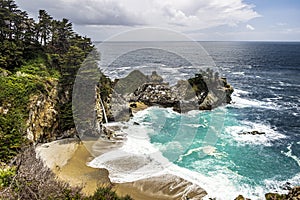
202, 20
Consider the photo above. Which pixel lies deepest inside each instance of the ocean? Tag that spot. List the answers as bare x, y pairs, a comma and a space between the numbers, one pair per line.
207, 147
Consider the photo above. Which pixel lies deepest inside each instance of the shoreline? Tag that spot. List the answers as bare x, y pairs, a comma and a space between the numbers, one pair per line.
69, 165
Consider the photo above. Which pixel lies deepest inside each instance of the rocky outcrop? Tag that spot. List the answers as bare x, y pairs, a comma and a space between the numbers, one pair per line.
294, 194
42, 120
228, 89
197, 93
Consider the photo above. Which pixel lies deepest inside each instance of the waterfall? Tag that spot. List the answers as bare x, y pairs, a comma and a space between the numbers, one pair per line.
104, 113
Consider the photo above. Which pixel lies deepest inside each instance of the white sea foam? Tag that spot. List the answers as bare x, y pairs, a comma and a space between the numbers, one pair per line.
237, 92
246, 126
275, 88
273, 99
238, 73
195, 125
290, 154
136, 159
219, 184
208, 150
284, 84
248, 66
239, 102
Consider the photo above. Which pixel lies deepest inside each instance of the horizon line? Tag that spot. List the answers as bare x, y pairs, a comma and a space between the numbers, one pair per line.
288, 41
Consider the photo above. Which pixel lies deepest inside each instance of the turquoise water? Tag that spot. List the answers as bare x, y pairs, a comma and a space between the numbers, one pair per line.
250, 164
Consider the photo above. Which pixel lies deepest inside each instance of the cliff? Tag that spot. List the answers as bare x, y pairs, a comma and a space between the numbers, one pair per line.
42, 123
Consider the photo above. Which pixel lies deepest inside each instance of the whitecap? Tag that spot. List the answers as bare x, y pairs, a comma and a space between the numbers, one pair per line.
275, 88
265, 139
273, 99
285, 84
195, 125
207, 150
238, 73
239, 102
239, 92
290, 154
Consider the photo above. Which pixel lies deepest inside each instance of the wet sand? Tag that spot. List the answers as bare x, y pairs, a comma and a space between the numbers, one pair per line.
68, 158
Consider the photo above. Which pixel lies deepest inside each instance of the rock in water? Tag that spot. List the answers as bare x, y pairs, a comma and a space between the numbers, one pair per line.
253, 133
240, 197
274, 196
294, 194
201, 92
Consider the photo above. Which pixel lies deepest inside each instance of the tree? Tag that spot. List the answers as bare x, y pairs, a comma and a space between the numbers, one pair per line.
44, 27
7, 12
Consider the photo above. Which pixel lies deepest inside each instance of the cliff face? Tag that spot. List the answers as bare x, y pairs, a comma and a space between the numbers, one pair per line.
42, 123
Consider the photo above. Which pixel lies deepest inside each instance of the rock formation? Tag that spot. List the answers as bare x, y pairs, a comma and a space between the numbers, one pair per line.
294, 194
197, 93
42, 120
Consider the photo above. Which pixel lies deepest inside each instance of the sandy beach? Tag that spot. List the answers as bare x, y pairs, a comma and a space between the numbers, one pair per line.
67, 159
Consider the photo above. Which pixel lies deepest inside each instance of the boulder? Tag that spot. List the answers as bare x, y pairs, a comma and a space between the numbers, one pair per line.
273, 196
241, 197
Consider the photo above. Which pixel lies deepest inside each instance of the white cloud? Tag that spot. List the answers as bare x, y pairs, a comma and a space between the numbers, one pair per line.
181, 15
249, 27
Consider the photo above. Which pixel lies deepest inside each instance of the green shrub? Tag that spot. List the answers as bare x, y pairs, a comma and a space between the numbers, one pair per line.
35, 69
106, 193
6, 176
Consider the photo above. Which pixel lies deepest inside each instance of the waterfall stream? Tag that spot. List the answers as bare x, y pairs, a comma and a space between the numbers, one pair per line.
104, 112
